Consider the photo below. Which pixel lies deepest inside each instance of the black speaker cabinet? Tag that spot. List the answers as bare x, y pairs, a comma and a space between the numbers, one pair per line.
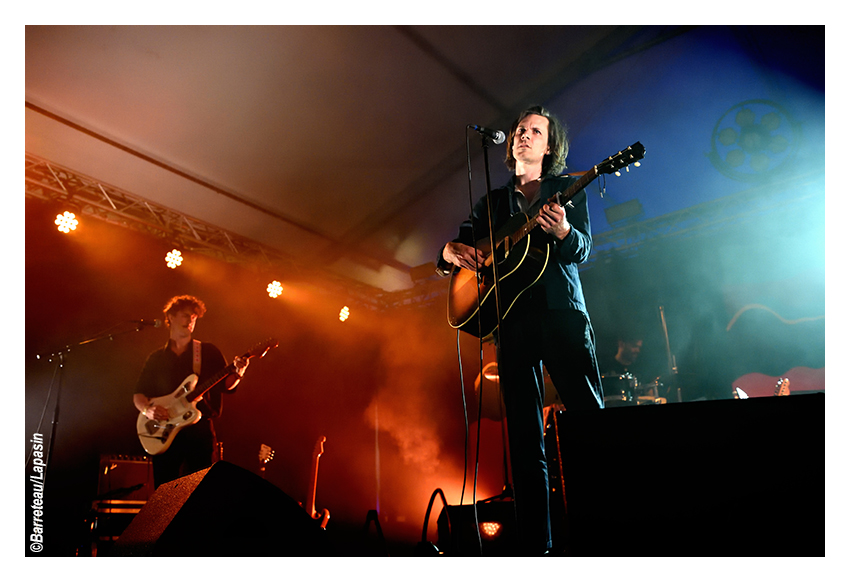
221, 511
712, 478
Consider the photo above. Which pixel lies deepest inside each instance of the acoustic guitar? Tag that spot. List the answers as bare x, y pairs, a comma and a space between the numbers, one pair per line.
521, 257
265, 456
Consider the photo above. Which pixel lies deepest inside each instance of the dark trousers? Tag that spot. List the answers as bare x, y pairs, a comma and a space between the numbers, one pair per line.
533, 336
191, 451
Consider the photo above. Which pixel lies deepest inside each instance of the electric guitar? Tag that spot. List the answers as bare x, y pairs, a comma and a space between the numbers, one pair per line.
325, 515
782, 387
521, 257
265, 455
156, 436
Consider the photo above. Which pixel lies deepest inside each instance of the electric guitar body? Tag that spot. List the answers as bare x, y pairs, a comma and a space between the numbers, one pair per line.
156, 436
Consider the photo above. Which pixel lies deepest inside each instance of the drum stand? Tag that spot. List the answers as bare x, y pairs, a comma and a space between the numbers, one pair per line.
671, 359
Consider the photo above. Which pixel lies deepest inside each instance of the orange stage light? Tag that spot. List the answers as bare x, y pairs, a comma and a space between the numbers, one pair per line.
173, 259
490, 529
274, 289
66, 222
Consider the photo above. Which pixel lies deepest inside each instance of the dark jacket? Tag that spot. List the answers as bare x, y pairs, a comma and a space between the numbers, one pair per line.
164, 371
561, 278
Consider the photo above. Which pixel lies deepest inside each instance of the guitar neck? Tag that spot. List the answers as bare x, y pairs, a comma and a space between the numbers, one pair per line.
311, 493
562, 198
311, 498
202, 389
259, 351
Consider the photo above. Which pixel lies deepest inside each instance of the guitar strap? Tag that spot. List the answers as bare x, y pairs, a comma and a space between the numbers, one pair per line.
196, 363
196, 357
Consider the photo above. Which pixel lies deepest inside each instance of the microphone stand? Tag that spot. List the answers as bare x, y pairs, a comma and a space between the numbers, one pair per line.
485, 146
60, 355
507, 490
479, 276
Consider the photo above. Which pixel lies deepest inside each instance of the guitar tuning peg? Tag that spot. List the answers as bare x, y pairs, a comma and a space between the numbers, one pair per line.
617, 173
637, 164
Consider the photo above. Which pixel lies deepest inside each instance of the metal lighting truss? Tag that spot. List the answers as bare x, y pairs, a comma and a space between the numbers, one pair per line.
48, 181
740, 207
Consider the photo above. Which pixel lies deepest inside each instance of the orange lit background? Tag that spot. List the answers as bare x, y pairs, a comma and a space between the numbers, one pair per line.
383, 387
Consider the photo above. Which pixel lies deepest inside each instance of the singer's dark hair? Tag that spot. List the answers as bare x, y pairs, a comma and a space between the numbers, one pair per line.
181, 302
556, 160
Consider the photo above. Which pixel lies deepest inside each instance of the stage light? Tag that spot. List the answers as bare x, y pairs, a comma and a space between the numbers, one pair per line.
275, 289
173, 259
343, 313
457, 535
490, 529
66, 222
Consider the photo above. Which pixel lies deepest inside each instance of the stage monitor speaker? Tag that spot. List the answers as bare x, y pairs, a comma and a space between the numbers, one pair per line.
711, 478
221, 511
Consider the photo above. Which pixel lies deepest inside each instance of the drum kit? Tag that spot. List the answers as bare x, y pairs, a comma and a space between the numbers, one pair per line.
618, 391
625, 390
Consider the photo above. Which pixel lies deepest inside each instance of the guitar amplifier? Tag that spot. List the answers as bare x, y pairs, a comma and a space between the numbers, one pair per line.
125, 477
124, 485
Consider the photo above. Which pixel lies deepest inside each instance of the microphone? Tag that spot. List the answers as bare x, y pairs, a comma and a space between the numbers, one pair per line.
150, 322
496, 135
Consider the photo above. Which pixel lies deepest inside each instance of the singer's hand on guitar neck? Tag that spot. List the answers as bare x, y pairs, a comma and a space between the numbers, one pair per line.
553, 220
464, 256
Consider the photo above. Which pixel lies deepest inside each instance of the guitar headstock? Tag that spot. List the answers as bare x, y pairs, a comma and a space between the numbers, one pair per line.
782, 387
266, 454
261, 349
320, 447
629, 156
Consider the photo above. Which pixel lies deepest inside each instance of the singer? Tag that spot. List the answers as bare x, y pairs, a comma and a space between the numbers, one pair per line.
163, 372
548, 324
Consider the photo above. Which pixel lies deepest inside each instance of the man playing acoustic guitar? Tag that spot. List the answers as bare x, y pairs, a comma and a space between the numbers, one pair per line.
548, 323
192, 448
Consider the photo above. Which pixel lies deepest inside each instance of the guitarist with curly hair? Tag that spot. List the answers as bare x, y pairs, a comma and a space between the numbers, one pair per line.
192, 448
